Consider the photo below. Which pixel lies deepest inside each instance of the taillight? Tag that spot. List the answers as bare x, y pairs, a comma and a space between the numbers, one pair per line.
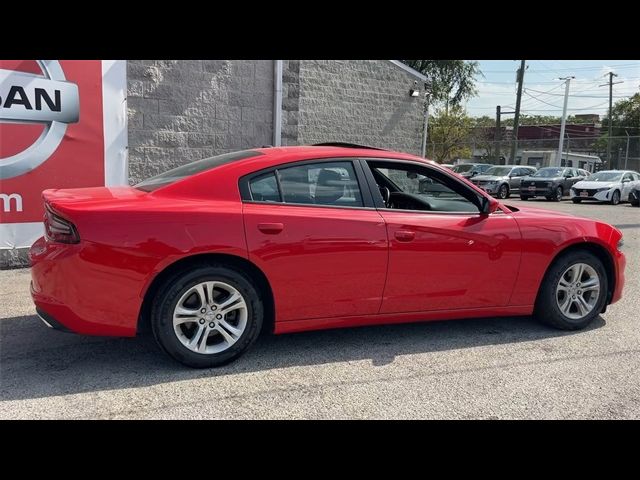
58, 229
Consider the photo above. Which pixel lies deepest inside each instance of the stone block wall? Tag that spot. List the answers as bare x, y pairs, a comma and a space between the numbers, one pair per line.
185, 110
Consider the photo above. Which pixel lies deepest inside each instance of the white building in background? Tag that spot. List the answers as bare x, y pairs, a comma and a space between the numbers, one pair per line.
547, 158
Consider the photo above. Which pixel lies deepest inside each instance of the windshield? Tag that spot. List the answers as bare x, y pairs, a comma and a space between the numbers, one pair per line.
605, 177
463, 168
193, 168
549, 172
498, 171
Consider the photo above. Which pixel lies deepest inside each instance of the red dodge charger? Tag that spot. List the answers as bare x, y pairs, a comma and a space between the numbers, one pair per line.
301, 238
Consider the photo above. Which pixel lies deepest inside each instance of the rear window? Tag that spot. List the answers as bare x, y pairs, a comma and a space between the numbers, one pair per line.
199, 166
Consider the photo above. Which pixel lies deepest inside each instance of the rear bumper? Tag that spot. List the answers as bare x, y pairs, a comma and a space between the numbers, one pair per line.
51, 322
73, 293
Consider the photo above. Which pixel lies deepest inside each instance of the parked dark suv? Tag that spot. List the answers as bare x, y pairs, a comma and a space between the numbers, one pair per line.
550, 182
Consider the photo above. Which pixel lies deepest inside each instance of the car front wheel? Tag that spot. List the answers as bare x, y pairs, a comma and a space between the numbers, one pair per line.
208, 316
557, 195
503, 192
573, 291
615, 198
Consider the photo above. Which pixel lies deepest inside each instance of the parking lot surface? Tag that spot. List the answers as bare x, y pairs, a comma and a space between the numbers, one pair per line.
467, 369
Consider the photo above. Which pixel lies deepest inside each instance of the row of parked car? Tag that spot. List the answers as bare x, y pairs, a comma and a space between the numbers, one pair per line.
554, 183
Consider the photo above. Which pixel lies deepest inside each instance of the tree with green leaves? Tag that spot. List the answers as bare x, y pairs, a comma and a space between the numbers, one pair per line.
448, 131
625, 115
452, 81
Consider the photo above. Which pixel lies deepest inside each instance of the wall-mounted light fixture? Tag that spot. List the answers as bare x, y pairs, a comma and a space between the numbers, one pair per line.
415, 91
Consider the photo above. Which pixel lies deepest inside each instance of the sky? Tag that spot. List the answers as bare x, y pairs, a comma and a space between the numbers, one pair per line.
543, 93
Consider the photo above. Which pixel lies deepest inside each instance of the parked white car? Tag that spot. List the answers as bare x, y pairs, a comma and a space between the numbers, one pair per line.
611, 186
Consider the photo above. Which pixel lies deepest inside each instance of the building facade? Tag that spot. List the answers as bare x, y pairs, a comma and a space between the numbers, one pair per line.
181, 111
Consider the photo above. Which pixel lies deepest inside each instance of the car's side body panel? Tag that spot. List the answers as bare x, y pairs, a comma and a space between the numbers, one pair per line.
454, 259
325, 262
545, 235
124, 245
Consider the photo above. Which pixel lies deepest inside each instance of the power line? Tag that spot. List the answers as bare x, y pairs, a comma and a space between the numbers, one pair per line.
578, 96
538, 99
565, 69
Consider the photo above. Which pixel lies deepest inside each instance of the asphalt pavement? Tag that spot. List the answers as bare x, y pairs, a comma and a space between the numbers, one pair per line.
469, 369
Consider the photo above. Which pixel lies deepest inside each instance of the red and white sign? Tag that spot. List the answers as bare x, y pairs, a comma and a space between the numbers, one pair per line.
62, 125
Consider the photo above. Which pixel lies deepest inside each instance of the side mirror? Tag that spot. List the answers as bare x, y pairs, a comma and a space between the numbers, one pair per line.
626, 180
489, 205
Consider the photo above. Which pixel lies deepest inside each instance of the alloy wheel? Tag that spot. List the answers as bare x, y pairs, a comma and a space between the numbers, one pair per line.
210, 317
615, 198
578, 291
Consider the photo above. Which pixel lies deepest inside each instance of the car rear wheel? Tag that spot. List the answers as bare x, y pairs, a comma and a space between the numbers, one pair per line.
503, 192
208, 316
573, 292
524, 197
615, 198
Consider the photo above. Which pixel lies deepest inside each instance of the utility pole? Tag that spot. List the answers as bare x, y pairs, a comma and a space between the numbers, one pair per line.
611, 84
564, 119
514, 146
626, 157
498, 133
423, 151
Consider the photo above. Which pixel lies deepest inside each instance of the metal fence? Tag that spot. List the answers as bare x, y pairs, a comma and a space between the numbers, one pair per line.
625, 150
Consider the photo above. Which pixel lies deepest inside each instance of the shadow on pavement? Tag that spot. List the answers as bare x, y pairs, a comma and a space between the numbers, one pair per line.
36, 361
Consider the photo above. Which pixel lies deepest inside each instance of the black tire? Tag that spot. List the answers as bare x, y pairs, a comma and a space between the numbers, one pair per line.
503, 192
557, 195
169, 294
546, 308
576, 200
635, 201
524, 197
615, 197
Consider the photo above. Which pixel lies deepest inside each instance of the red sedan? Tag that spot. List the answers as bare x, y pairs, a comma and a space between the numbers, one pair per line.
304, 238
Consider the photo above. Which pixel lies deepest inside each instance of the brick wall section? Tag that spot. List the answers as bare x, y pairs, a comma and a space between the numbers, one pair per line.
290, 101
185, 110
358, 101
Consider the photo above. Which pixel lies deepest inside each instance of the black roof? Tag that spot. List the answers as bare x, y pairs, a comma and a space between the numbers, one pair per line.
345, 145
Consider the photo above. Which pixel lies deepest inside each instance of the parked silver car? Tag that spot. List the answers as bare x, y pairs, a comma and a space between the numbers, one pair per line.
469, 170
503, 180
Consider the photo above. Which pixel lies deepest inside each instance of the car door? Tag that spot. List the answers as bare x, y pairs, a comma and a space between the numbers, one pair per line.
317, 237
516, 177
445, 256
628, 182
570, 176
